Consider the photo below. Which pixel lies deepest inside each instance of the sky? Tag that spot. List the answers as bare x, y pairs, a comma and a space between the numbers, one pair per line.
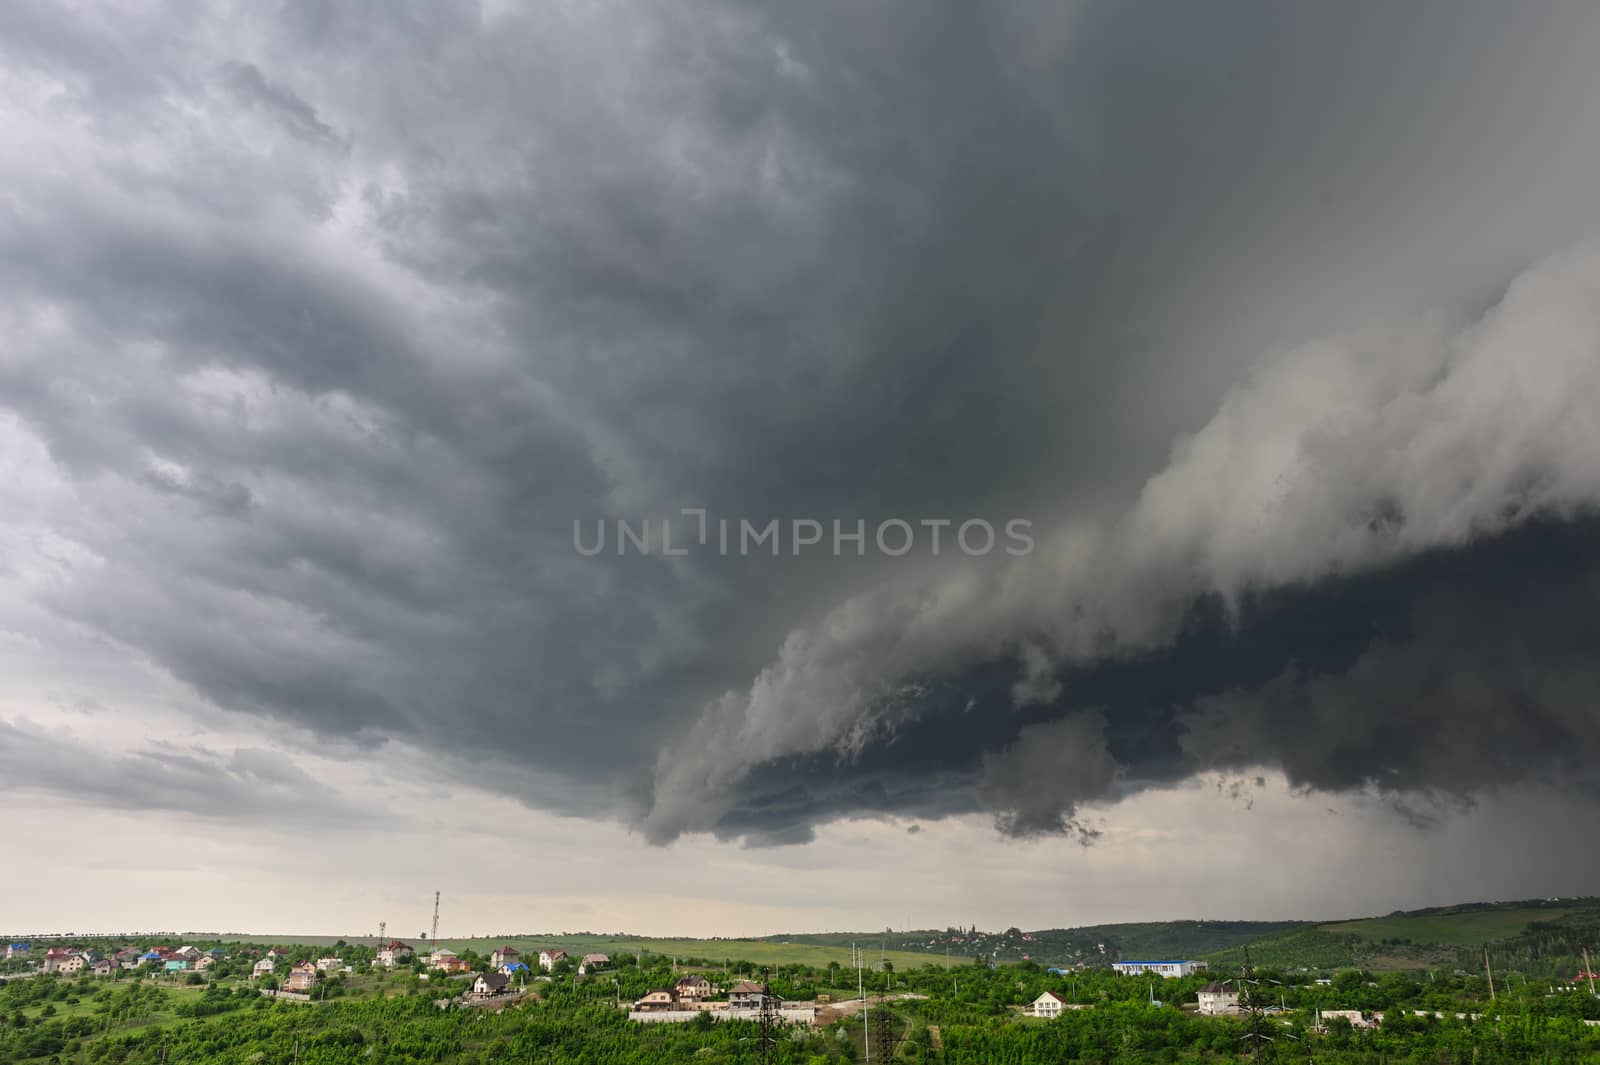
703, 468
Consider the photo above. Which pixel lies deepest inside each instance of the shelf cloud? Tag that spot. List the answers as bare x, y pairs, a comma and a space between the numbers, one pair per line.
324, 324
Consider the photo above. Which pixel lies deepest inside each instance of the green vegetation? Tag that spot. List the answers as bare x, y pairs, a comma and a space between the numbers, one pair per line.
1418, 939
1543, 939
1422, 971
1466, 926
706, 951
962, 1015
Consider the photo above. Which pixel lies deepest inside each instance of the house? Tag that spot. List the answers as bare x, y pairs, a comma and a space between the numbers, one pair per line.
747, 995
204, 962
1218, 998
591, 962
327, 964
274, 953
657, 1001
127, 959
448, 962
16, 950
1167, 969
513, 968
302, 977
1357, 1018
549, 959
176, 965
693, 987
392, 953
105, 967
187, 952
53, 959
264, 967
1048, 1004
489, 984
503, 956
72, 963
217, 953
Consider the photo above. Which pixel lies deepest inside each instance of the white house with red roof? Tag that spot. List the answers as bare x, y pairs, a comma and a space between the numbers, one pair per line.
1049, 1004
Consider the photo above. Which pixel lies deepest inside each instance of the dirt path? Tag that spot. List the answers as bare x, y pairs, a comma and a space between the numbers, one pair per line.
840, 1010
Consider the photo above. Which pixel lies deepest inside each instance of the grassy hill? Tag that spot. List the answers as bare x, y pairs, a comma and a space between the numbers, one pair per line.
714, 951
1532, 935
1457, 926
1536, 935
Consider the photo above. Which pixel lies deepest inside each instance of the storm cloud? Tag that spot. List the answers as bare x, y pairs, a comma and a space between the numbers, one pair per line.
324, 323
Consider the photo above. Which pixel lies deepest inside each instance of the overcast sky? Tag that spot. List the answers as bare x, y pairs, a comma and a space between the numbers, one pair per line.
327, 328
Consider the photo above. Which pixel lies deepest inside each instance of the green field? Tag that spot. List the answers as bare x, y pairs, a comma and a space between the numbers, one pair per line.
1417, 939
1539, 934
1445, 929
715, 951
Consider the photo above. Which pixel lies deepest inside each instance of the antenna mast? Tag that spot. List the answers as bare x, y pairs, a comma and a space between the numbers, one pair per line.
433, 938
768, 1019
1250, 1001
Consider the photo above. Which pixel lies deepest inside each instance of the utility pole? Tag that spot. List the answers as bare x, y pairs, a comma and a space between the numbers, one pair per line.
887, 1038
866, 1011
1250, 1002
1488, 971
769, 1019
1588, 969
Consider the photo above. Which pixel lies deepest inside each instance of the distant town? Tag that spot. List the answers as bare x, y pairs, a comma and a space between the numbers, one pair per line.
1453, 983
505, 974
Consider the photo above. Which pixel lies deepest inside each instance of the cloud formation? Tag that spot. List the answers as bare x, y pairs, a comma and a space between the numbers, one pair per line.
1334, 459
324, 324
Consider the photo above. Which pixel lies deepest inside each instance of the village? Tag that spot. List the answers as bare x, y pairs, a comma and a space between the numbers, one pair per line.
63, 993
507, 974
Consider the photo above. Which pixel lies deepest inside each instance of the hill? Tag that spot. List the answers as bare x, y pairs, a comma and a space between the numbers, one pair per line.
1543, 935
1537, 935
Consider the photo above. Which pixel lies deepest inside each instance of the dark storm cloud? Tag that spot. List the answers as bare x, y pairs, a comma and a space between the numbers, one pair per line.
299, 117
249, 784
332, 373
1459, 674
1486, 682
